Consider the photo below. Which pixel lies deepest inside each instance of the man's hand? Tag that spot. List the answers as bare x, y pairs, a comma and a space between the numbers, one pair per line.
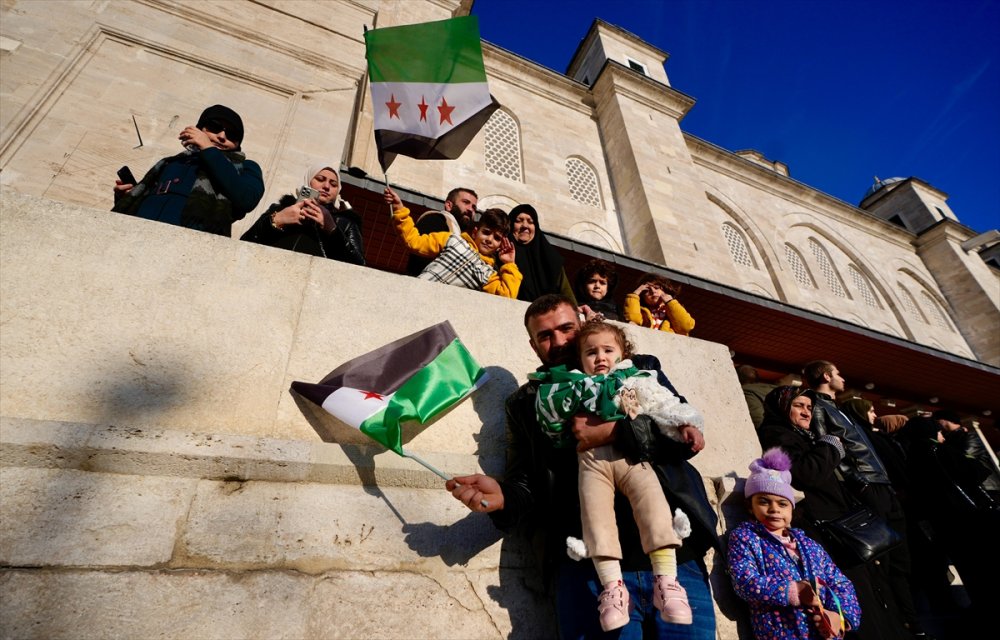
392, 199
479, 493
195, 136
693, 437
121, 188
506, 251
590, 432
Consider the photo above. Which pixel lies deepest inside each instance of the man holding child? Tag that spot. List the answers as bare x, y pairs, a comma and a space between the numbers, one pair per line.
540, 488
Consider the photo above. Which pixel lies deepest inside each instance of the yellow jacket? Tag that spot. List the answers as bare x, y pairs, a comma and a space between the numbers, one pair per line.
678, 320
504, 282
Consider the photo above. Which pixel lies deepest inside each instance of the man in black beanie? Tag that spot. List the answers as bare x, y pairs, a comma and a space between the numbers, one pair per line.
207, 187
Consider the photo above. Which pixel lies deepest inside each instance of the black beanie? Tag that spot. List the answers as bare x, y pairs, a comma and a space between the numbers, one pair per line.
947, 414
232, 120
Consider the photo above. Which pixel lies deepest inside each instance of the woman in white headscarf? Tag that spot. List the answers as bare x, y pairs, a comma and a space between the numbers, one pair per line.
315, 220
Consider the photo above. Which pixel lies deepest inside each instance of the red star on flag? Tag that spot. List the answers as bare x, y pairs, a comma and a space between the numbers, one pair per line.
423, 109
371, 394
393, 107
445, 111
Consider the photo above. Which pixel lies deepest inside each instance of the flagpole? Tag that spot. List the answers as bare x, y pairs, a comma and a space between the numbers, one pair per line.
435, 470
385, 174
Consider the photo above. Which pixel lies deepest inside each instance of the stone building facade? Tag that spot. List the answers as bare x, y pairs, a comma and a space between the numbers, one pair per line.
85, 83
152, 459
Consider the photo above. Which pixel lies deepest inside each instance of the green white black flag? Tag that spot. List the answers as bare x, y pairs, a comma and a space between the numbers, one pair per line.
413, 379
429, 90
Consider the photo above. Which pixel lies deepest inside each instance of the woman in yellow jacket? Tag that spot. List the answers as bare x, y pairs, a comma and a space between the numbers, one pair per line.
653, 305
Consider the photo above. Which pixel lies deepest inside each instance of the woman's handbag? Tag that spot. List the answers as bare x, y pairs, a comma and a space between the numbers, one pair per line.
861, 534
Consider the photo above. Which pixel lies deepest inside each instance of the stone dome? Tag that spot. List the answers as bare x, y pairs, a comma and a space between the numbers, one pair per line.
878, 184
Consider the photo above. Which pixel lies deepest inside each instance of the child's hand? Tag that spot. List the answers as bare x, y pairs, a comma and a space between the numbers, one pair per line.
629, 401
828, 623
807, 595
693, 437
506, 251
589, 314
392, 199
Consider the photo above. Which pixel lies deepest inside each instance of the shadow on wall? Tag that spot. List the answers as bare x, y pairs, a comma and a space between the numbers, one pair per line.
520, 587
137, 392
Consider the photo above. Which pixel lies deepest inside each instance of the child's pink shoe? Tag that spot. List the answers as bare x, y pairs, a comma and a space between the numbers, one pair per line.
613, 605
670, 598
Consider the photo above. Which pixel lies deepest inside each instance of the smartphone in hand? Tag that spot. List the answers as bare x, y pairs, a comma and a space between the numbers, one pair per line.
306, 193
125, 175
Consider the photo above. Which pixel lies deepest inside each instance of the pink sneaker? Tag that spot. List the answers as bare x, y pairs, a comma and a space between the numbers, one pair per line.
671, 599
613, 606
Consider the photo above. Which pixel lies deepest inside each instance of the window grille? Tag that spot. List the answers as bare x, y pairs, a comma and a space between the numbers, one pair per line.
864, 287
910, 304
799, 268
738, 248
583, 182
826, 266
936, 314
503, 146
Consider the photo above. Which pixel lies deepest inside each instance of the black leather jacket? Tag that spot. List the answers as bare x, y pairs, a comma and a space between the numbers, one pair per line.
344, 243
970, 446
540, 483
861, 465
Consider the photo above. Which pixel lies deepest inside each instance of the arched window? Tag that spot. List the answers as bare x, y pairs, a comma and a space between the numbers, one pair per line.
799, 268
936, 313
829, 271
909, 303
503, 146
583, 185
864, 287
738, 248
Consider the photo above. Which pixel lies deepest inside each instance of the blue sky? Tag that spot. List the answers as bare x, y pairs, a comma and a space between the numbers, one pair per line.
840, 91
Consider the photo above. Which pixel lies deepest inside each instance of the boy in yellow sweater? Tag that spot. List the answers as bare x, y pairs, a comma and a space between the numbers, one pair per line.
467, 260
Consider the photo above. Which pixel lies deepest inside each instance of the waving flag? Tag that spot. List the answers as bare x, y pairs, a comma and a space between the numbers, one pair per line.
429, 91
415, 378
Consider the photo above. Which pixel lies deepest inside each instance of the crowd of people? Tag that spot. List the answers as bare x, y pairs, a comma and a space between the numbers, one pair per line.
211, 184
599, 440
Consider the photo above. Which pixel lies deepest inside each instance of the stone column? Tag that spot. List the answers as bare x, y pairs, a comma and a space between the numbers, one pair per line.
654, 178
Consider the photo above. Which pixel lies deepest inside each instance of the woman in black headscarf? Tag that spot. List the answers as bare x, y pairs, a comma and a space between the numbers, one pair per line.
536, 259
815, 458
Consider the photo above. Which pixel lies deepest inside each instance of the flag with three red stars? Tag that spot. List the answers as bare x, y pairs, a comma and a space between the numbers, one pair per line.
415, 378
429, 90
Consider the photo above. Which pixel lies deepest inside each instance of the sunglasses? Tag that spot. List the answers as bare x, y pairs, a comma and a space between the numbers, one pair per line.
215, 126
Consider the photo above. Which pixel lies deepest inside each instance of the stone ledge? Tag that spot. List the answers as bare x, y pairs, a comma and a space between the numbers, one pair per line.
25, 442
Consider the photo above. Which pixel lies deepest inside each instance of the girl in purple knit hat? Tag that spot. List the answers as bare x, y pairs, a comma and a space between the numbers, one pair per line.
792, 586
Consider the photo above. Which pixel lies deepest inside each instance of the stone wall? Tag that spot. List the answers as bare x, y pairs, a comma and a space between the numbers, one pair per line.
160, 480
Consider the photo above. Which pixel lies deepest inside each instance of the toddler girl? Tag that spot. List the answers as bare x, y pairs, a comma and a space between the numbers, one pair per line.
610, 387
792, 586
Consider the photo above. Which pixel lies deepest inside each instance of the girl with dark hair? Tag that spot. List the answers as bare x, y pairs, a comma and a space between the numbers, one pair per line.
653, 304
815, 458
595, 287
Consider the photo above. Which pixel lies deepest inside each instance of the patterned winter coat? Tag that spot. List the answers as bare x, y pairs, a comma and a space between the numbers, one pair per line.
762, 572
